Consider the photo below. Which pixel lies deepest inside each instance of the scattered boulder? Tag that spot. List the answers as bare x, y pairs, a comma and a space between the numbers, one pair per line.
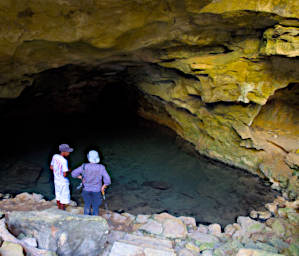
11, 249
152, 227
215, 229
67, 233
203, 238
174, 228
203, 229
62, 232
249, 225
188, 221
25, 202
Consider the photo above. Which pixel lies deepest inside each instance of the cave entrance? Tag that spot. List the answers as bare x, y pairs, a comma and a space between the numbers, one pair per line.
92, 109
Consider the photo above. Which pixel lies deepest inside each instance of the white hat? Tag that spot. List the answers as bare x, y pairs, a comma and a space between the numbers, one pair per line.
93, 157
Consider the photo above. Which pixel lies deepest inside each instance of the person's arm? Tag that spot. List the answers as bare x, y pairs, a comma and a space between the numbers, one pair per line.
107, 180
77, 172
51, 164
65, 168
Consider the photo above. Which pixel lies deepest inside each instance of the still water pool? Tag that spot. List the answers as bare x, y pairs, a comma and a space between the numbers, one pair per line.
150, 172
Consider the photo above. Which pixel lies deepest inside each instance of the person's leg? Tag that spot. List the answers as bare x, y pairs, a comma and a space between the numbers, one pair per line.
58, 189
87, 201
65, 196
96, 202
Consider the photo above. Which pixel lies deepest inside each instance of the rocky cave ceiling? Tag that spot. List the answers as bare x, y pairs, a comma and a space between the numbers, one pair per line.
223, 74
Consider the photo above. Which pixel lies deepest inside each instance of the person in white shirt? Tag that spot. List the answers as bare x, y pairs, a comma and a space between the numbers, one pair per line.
59, 166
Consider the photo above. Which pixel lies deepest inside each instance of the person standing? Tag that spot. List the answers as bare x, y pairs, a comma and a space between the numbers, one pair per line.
59, 166
92, 175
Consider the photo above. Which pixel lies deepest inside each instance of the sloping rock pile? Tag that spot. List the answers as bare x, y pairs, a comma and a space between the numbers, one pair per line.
70, 233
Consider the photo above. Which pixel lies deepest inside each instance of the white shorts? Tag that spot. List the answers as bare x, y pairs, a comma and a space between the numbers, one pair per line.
62, 193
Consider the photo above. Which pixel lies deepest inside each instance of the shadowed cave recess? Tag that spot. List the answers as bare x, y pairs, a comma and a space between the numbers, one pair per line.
193, 108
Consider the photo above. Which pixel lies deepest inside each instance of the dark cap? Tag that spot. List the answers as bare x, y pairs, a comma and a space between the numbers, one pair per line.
65, 148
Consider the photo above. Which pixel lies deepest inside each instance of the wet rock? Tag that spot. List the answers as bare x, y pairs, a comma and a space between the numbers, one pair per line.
61, 232
11, 249
160, 185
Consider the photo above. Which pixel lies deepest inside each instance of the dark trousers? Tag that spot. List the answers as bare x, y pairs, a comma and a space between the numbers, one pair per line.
91, 199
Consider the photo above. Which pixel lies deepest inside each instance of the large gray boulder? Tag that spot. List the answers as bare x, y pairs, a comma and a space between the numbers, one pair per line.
61, 232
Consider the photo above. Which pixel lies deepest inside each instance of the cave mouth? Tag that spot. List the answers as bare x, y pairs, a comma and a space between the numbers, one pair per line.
151, 172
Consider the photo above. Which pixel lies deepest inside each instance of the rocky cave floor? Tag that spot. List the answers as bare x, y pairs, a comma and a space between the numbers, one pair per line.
37, 227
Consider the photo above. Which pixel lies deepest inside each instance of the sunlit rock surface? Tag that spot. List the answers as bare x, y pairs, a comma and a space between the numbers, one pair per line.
222, 74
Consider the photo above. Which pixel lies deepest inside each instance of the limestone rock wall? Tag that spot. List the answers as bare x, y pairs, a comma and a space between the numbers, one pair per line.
223, 74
